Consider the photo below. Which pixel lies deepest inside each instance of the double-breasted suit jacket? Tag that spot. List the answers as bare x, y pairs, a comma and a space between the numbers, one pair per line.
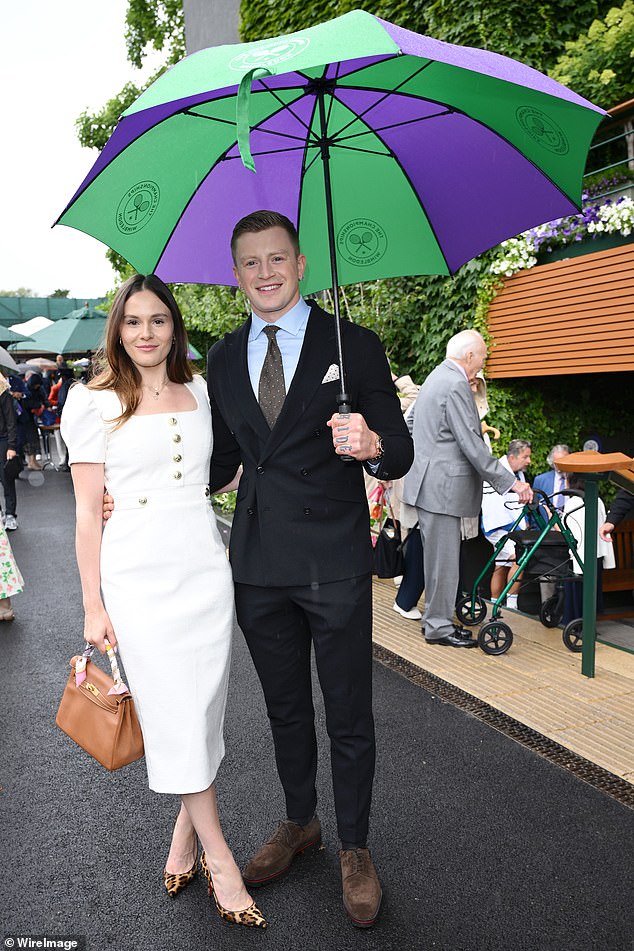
301, 515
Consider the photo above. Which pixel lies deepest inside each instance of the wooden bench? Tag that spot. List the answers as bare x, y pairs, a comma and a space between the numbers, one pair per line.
621, 578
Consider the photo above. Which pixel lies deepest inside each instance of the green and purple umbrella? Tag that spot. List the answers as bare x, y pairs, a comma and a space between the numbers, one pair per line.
394, 153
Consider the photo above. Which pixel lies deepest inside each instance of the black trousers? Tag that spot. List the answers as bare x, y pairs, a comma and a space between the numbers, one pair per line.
10, 499
279, 625
413, 583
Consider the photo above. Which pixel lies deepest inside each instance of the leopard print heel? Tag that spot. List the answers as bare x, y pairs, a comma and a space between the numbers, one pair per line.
177, 882
250, 917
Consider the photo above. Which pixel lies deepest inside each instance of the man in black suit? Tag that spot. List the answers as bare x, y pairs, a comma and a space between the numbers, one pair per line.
300, 543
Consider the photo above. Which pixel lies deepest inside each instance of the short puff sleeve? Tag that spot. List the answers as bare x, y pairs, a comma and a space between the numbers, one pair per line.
83, 429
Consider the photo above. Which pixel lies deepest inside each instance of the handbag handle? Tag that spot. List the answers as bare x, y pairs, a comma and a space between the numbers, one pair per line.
388, 504
80, 668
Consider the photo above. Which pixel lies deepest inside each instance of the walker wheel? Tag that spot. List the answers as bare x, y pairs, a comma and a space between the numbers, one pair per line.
471, 610
573, 635
550, 612
495, 637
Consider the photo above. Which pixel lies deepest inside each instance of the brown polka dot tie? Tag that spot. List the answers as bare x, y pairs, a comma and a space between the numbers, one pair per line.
272, 390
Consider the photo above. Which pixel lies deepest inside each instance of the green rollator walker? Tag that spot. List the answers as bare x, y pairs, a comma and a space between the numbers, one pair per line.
552, 564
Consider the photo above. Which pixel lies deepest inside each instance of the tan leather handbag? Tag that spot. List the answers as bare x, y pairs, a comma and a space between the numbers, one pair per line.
97, 712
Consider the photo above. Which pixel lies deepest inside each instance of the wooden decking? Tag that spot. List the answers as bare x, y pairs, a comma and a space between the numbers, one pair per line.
538, 682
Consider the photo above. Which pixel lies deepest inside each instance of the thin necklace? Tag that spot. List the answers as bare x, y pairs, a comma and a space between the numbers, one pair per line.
154, 392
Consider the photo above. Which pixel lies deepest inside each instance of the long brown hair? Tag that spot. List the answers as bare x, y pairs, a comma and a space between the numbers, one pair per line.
118, 372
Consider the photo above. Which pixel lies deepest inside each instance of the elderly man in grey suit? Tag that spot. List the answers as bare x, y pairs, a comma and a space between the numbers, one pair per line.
451, 461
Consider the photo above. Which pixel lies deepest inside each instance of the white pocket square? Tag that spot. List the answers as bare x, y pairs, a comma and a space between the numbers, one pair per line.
332, 373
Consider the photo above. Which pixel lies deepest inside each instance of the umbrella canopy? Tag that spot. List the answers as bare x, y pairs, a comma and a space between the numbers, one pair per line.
74, 334
7, 335
42, 363
6, 360
31, 326
393, 152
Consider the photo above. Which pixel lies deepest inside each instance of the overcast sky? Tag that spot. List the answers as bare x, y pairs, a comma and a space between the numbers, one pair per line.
57, 60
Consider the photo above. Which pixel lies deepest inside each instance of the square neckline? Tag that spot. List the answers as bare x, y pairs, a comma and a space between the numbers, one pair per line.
178, 412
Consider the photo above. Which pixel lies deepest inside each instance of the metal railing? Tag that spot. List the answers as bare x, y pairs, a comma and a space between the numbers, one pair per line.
604, 150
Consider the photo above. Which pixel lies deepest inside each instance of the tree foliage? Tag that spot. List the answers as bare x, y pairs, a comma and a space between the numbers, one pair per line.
60, 292
159, 24
20, 292
532, 32
599, 64
150, 24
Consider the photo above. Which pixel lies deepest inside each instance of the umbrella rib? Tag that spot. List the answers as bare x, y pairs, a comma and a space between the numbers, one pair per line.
393, 125
385, 95
331, 101
285, 105
354, 148
294, 148
199, 115
231, 122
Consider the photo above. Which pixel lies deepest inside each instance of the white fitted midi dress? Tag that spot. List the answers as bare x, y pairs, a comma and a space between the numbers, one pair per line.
165, 577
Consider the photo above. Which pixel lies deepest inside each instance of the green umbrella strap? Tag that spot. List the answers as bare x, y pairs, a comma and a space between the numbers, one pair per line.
242, 114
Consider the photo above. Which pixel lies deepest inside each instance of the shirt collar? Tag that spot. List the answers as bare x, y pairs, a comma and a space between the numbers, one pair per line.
293, 321
460, 367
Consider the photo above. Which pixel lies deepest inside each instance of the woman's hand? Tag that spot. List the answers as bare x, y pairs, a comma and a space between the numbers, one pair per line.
98, 627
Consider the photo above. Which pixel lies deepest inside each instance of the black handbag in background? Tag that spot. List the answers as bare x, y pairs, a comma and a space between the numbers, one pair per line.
387, 560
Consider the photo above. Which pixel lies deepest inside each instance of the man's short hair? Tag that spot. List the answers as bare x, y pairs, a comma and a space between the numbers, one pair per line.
262, 221
518, 445
556, 449
461, 343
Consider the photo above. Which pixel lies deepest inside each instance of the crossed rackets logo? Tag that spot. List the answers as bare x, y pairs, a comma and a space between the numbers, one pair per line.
137, 207
362, 241
543, 129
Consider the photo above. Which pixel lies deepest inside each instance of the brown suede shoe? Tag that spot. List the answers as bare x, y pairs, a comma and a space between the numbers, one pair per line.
276, 855
361, 887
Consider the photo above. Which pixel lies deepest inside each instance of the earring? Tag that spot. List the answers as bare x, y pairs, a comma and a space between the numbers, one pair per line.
120, 342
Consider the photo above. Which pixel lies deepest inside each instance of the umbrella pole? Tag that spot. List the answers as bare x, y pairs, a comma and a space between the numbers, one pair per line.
343, 399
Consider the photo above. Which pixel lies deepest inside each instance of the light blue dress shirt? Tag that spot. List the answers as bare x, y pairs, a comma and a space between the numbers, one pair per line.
289, 339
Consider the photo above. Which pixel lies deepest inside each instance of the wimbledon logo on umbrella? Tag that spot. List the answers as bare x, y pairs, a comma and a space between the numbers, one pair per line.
543, 129
270, 54
137, 207
362, 241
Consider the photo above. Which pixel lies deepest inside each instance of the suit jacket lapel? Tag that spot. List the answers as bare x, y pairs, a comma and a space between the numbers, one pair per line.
240, 381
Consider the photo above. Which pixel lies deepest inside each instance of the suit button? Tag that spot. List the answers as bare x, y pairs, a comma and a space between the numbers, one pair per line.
249, 511
172, 421
177, 475
176, 438
308, 511
143, 500
177, 458
317, 432
304, 472
260, 470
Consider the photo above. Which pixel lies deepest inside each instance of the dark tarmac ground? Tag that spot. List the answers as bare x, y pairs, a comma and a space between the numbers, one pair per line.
482, 845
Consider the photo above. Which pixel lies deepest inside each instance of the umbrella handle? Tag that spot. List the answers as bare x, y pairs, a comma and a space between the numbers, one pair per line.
345, 409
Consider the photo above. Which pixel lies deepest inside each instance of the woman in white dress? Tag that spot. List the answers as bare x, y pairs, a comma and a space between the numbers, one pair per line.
157, 581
